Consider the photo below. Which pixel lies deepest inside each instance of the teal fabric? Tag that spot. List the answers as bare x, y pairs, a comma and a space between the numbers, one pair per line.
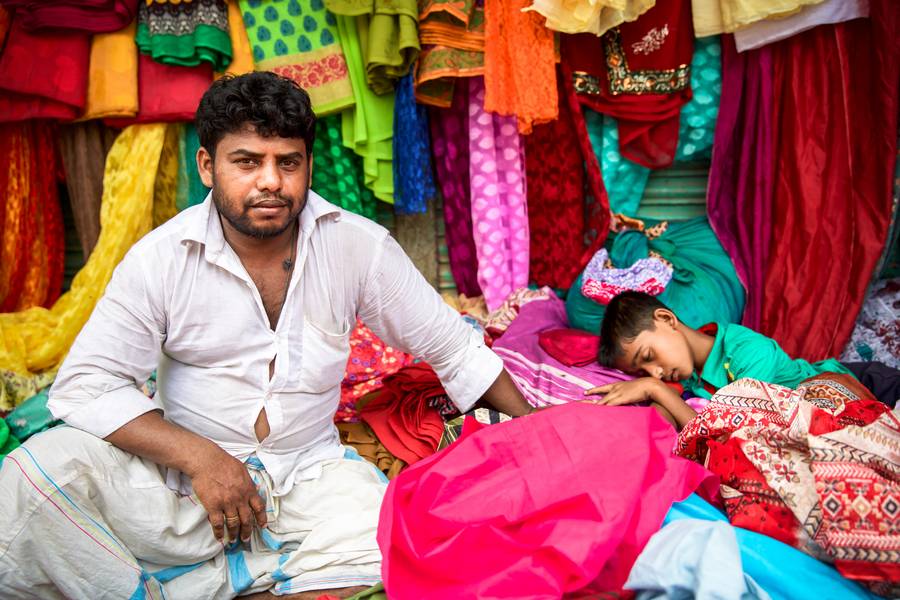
625, 180
704, 287
779, 569
190, 190
31, 417
8, 442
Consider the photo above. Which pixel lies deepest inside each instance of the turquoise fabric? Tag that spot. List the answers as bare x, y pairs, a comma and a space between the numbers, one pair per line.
31, 417
782, 571
190, 190
704, 286
625, 180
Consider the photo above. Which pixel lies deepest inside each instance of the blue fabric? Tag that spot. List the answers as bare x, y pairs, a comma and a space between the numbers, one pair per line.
170, 573
780, 570
239, 574
413, 176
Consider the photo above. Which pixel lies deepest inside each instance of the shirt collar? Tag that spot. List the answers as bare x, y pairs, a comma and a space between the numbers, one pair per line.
713, 372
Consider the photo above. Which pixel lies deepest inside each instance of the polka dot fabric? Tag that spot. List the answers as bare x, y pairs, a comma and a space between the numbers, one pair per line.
338, 172
499, 207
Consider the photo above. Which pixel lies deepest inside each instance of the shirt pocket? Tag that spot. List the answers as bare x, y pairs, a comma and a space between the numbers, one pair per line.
325, 355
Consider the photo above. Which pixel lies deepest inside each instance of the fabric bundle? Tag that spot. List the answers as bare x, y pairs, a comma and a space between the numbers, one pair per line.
89, 16
815, 468
589, 16
185, 33
401, 415
602, 282
534, 507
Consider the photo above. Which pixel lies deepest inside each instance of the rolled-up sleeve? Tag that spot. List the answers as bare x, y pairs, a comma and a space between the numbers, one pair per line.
97, 387
399, 305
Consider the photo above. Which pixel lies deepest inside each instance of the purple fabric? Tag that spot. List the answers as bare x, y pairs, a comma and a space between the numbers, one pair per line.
499, 205
542, 379
450, 144
601, 283
741, 176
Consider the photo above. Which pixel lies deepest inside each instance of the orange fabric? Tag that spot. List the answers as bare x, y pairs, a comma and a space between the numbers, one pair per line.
32, 250
113, 76
242, 55
519, 64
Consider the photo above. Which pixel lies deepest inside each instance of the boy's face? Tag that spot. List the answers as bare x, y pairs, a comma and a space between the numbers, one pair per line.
662, 352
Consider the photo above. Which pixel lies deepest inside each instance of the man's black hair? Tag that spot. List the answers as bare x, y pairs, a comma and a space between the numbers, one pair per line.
627, 315
271, 104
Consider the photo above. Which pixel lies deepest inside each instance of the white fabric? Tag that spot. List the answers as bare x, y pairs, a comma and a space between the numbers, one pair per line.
81, 519
182, 301
767, 31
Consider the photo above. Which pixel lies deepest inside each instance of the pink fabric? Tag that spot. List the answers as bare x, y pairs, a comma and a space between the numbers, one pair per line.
499, 207
535, 507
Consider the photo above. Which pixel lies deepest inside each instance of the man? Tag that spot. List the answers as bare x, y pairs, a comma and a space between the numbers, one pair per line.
232, 479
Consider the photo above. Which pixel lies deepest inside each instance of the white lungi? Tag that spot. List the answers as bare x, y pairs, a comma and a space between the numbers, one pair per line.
82, 519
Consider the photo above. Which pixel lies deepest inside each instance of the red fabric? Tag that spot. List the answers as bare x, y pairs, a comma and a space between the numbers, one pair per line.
571, 347
401, 417
535, 507
836, 116
648, 122
167, 93
43, 76
91, 16
555, 175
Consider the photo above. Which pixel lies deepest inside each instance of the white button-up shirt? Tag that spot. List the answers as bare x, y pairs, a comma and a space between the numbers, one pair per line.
182, 302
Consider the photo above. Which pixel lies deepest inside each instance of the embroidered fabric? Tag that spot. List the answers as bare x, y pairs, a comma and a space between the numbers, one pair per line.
602, 282
413, 177
185, 33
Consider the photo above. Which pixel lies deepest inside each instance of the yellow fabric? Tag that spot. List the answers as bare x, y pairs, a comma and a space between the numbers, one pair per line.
589, 16
113, 76
242, 55
34, 342
165, 190
712, 17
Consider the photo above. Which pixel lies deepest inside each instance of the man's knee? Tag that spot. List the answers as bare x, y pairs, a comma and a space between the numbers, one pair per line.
62, 449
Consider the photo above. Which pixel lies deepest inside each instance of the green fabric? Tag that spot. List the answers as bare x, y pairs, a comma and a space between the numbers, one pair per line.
205, 44
704, 286
337, 171
392, 44
739, 352
31, 417
190, 189
625, 180
368, 128
8, 442
376, 592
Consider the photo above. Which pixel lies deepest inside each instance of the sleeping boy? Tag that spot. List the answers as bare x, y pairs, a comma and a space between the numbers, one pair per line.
641, 336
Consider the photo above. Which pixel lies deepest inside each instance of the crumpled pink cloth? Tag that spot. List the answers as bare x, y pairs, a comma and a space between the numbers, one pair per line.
535, 507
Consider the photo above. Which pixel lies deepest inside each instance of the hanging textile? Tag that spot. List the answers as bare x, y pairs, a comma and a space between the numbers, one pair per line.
499, 203
741, 175
815, 468
555, 177
625, 180
452, 37
368, 127
337, 172
519, 64
847, 119
712, 17
32, 242
587, 16
4, 25
168, 93
640, 74
389, 28
34, 342
413, 175
165, 188
828, 12
83, 148
543, 500
299, 40
241, 54
450, 144
189, 187
112, 76
94, 16
43, 76
185, 33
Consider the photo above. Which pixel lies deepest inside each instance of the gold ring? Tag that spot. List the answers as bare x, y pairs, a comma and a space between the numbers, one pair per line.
232, 519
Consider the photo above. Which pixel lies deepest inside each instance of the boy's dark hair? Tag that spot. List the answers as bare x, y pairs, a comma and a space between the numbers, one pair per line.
627, 315
273, 105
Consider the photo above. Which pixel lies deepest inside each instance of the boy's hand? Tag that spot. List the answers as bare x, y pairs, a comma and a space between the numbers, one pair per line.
625, 392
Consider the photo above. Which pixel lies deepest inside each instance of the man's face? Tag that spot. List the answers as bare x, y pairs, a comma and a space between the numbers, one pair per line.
662, 352
259, 184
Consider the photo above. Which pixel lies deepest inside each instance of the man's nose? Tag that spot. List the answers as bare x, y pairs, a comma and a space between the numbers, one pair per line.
268, 178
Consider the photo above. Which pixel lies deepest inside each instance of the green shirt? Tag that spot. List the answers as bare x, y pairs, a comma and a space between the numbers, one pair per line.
739, 352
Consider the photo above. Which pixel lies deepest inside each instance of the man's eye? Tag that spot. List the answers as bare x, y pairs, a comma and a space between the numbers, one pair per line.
289, 164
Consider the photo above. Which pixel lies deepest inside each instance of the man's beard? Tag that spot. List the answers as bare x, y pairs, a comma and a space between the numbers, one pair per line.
242, 222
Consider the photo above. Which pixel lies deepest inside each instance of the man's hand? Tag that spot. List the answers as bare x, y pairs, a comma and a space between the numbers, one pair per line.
229, 495
644, 389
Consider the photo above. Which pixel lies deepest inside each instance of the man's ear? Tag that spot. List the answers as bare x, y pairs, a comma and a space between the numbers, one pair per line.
205, 167
665, 317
